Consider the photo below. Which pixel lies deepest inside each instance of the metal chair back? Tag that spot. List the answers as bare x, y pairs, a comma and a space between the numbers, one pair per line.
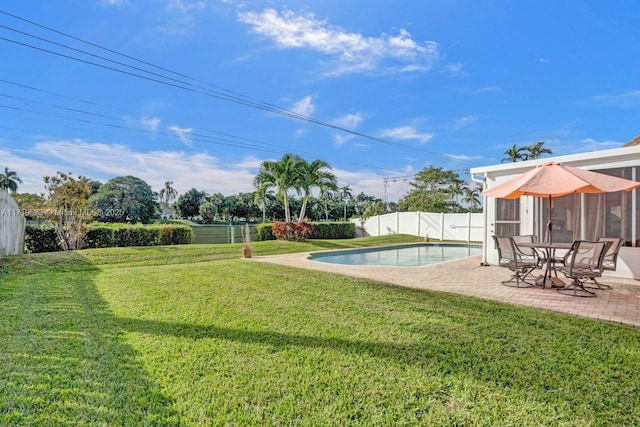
584, 259
611, 257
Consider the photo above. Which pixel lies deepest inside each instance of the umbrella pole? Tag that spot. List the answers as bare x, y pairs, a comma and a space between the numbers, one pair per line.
549, 224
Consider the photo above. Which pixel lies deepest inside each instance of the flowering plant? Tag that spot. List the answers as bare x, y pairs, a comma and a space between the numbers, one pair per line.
294, 231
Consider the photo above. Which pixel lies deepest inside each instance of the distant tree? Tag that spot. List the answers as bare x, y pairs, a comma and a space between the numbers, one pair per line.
514, 154
124, 199
67, 208
536, 150
316, 174
93, 185
282, 176
9, 180
345, 194
431, 191
32, 205
457, 188
208, 211
361, 201
472, 198
528, 152
167, 195
188, 204
268, 203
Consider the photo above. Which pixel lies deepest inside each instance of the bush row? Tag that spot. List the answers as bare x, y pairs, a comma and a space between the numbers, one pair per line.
321, 230
44, 239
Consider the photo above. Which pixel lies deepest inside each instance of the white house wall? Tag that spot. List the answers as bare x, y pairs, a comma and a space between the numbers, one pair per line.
629, 257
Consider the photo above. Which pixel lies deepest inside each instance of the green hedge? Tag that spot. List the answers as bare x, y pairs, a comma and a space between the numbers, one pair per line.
321, 230
40, 239
43, 239
264, 232
333, 230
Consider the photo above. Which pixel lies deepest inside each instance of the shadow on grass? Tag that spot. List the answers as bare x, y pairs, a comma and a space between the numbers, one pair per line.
63, 360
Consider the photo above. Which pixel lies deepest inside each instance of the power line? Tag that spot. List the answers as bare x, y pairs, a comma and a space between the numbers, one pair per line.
179, 84
237, 141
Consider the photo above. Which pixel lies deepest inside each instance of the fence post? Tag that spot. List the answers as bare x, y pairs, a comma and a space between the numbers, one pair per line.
397, 222
468, 226
418, 224
442, 226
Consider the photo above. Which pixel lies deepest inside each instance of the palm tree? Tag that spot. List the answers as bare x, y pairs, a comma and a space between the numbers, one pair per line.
9, 180
536, 150
514, 154
283, 176
345, 193
457, 188
472, 198
326, 195
316, 174
168, 194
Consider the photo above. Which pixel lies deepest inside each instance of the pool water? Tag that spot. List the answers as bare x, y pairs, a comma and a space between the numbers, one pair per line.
413, 255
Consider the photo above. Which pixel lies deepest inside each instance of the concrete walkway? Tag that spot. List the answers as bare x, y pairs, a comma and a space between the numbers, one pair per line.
466, 276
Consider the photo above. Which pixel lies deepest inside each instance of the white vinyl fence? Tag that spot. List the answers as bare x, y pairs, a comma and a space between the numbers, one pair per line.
12, 224
465, 227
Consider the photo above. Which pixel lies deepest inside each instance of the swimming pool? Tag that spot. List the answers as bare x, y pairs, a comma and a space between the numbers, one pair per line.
411, 255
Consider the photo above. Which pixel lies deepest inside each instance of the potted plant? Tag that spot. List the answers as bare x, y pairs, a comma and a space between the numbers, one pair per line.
246, 241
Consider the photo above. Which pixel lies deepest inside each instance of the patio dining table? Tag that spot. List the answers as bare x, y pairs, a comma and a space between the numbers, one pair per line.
550, 252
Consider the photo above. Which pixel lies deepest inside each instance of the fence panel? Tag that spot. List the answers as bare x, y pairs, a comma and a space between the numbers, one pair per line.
12, 223
221, 233
465, 227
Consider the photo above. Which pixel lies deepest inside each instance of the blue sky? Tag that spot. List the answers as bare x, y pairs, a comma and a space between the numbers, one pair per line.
200, 92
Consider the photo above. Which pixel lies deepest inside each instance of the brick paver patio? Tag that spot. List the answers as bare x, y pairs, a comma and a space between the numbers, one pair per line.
466, 276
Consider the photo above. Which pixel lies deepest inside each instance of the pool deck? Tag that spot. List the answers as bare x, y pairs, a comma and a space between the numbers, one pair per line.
467, 277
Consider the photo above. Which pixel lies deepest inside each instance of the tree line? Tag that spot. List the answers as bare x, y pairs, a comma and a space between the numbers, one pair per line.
285, 189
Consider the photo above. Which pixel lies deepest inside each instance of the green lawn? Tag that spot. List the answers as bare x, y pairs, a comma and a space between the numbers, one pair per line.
193, 335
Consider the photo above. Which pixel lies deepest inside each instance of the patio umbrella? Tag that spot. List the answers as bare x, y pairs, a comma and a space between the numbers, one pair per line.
554, 179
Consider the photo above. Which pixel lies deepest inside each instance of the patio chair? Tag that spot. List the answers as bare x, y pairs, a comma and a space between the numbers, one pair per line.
520, 263
610, 258
583, 262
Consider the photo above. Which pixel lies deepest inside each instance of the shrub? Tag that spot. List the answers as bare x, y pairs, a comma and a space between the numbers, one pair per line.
44, 239
40, 239
100, 236
265, 232
292, 231
334, 230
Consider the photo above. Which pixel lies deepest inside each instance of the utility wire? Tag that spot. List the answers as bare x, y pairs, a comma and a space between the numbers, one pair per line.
247, 101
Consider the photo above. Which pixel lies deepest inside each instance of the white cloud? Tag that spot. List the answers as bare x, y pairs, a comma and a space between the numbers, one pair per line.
185, 6
590, 144
350, 52
367, 182
349, 121
117, 3
488, 89
406, 133
341, 139
627, 99
304, 106
183, 133
464, 121
462, 157
107, 161
456, 68
544, 60
150, 123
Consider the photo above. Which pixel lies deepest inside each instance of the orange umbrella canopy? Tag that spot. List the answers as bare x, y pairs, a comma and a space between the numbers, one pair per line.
554, 179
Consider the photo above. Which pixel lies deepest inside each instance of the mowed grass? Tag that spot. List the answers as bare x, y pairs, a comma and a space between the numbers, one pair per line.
193, 335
